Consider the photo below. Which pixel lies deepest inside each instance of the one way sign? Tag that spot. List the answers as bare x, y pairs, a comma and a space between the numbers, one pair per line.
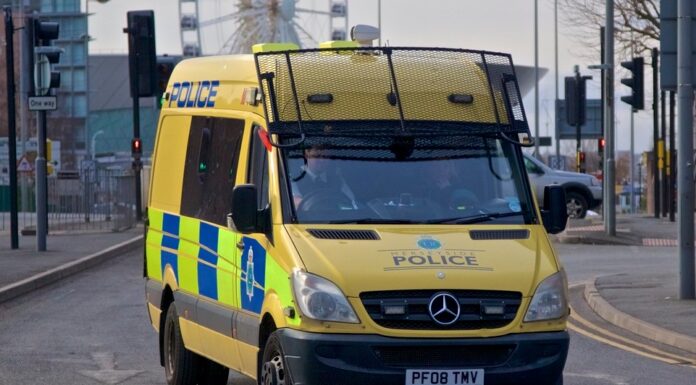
43, 103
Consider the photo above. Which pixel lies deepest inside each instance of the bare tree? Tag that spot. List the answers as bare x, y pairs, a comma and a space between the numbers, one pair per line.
637, 24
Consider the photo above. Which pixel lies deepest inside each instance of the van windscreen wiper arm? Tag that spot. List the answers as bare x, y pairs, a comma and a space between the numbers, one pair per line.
483, 217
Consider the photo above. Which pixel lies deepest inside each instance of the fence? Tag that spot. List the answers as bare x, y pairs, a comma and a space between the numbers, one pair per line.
94, 199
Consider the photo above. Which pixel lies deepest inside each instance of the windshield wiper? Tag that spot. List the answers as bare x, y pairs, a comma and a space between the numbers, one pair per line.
482, 217
385, 221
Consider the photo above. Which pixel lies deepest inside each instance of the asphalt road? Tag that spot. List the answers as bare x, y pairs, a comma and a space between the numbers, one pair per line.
93, 329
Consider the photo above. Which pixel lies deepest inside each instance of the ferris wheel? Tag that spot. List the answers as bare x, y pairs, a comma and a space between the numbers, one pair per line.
211, 27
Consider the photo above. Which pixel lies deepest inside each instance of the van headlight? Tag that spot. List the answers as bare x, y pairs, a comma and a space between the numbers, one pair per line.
550, 299
320, 299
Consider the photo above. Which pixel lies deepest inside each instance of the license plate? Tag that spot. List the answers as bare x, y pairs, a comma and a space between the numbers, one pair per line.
444, 377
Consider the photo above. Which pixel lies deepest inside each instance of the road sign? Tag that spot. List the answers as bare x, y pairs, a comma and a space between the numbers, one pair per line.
668, 44
592, 129
43, 103
24, 165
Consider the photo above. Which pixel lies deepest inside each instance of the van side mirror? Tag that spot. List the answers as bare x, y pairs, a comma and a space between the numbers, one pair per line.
555, 213
244, 216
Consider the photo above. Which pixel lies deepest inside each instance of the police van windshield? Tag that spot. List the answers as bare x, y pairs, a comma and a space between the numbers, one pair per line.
449, 180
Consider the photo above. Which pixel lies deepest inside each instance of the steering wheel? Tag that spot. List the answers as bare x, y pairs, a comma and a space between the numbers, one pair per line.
324, 199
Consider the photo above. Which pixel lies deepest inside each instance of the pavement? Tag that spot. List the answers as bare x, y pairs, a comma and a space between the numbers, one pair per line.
631, 230
642, 302
25, 269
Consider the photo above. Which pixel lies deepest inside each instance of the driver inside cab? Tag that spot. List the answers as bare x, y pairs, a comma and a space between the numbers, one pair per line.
319, 181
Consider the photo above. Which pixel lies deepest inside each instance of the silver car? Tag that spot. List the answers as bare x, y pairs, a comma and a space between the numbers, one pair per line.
583, 191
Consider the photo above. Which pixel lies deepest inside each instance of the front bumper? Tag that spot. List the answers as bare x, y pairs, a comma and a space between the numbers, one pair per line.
597, 196
337, 359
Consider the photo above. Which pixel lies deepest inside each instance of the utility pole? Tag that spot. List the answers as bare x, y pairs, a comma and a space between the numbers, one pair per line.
536, 78
609, 176
685, 93
11, 126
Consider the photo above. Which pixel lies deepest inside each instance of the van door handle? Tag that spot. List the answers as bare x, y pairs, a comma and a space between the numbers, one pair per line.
240, 245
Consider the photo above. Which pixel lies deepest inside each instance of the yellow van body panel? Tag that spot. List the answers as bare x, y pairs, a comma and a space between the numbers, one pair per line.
248, 277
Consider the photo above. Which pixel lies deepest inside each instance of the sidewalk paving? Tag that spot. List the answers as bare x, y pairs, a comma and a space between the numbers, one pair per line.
631, 230
25, 268
643, 303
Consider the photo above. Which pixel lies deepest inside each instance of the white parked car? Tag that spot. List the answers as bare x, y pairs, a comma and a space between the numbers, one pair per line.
583, 191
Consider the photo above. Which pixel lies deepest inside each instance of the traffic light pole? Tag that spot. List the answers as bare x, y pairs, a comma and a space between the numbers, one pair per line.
656, 136
136, 161
685, 89
672, 158
41, 188
609, 176
664, 174
578, 124
632, 167
11, 126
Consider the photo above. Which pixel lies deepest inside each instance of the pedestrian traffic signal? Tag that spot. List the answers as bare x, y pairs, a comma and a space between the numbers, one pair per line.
136, 147
635, 82
165, 68
600, 144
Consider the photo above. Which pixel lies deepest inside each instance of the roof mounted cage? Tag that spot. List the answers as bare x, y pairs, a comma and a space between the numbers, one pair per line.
390, 91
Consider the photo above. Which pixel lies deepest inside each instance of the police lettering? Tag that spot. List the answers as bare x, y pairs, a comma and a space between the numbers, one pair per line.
194, 94
432, 260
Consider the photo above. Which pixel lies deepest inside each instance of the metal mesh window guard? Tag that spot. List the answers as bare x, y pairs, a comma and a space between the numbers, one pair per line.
363, 91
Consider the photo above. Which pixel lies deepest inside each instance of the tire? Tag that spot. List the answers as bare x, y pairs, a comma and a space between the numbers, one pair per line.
212, 373
180, 364
576, 204
560, 380
273, 367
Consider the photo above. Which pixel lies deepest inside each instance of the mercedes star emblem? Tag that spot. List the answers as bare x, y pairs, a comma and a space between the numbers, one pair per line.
444, 308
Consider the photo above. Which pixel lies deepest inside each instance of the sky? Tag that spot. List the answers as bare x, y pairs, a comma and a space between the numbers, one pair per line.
495, 25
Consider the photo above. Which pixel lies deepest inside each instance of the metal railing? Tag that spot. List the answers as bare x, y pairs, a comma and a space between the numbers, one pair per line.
93, 199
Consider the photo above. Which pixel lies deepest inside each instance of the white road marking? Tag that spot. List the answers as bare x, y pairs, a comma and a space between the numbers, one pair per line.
107, 373
615, 380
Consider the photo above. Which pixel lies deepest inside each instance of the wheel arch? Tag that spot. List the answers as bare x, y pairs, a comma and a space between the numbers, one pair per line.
267, 327
167, 300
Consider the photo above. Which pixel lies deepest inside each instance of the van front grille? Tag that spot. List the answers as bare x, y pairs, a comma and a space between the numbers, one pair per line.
444, 356
417, 317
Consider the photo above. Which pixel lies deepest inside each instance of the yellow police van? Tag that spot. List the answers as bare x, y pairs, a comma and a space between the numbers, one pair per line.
351, 215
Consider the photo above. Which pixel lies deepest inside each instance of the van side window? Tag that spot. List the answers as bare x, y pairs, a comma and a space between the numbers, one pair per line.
204, 153
212, 158
258, 167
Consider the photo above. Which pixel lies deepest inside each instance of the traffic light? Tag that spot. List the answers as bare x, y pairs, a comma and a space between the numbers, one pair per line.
142, 57
635, 82
137, 147
601, 142
165, 68
42, 34
575, 98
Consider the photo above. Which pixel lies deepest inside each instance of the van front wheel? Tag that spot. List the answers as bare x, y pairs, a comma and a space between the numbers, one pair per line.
273, 370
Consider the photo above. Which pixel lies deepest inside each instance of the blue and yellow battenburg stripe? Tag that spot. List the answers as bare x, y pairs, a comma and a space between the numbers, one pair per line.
206, 261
